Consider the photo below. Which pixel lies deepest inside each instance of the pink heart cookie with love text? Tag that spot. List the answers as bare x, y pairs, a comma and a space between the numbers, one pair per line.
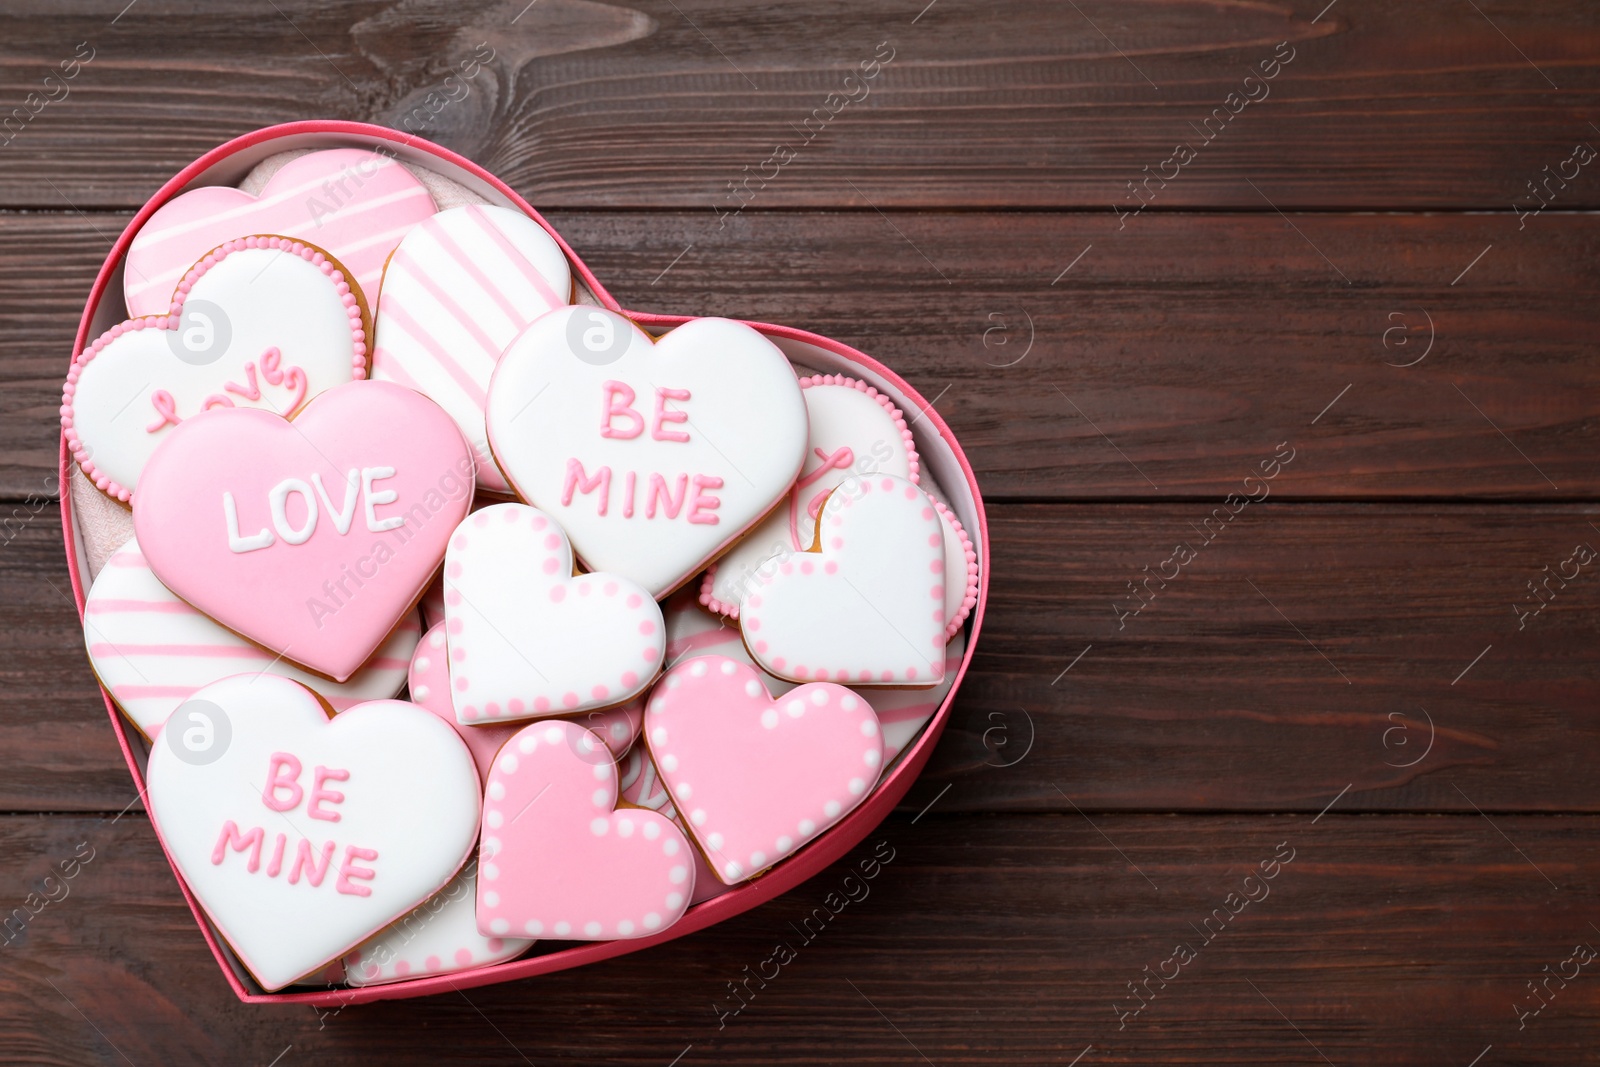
310, 537
757, 777
558, 861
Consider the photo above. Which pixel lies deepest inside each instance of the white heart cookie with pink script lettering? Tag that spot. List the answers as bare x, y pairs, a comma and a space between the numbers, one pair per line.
302, 835
527, 639
262, 323
758, 777
653, 456
311, 537
866, 605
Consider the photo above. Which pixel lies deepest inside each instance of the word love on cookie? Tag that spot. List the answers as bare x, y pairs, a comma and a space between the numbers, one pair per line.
313, 537
303, 835
652, 455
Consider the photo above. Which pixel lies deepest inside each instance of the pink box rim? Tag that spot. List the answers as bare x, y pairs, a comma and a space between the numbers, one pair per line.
811, 861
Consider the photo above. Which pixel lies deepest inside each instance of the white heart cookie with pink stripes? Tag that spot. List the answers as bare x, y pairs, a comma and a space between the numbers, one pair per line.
459, 288
529, 640
867, 604
757, 777
152, 650
353, 204
570, 866
653, 455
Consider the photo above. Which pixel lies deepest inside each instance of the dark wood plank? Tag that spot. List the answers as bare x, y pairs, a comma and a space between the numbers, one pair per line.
1206, 699
1167, 363
660, 103
984, 940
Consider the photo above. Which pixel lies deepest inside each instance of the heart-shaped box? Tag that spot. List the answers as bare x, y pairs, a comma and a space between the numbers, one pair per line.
941, 455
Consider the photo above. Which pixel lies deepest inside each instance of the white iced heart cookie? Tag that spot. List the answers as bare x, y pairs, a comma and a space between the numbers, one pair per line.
653, 456
854, 430
152, 650
528, 640
302, 835
867, 606
261, 322
459, 288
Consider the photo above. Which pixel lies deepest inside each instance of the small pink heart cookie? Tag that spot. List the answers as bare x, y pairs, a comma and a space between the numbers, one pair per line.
868, 605
527, 639
350, 202
312, 537
429, 680
558, 861
262, 322
758, 777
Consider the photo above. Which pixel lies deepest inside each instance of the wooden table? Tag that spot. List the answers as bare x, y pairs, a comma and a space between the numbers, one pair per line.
1348, 279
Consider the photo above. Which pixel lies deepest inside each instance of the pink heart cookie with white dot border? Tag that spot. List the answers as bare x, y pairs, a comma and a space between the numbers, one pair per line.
528, 640
757, 777
621, 874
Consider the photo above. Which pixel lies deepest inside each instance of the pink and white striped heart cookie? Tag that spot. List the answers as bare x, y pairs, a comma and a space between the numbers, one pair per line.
459, 288
620, 874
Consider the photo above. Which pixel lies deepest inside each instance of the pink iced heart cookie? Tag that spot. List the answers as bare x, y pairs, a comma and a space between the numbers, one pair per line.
641, 787
262, 322
653, 456
569, 866
310, 537
303, 835
352, 203
429, 681
152, 650
758, 777
526, 638
868, 605
460, 287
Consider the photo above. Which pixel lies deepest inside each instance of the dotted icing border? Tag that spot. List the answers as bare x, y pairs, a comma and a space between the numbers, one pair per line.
174, 316
971, 596
913, 463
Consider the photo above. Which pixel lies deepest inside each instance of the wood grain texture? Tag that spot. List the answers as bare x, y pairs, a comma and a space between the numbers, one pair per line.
1165, 364
656, 103
984, 940
1206, 699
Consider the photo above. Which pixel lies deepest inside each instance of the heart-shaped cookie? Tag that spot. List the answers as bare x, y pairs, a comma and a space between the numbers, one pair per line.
311, 537
303, 835
351, 203
620, 874
653, 456
758, 777
527, 639
260, 322
459, 288
152, 650
642, 788
429, 683
867, 605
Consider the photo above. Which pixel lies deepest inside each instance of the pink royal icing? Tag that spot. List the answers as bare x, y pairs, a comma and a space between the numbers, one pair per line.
758, 777
642, 788
621, 874
310, 537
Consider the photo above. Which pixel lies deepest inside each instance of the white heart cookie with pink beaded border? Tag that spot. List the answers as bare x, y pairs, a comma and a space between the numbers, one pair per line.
757, 777
867, 606
653, 455
262, 322
529, 640
620, 874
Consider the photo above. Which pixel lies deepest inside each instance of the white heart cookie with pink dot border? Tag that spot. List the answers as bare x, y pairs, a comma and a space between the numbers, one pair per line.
300, 834
529, 640
653, 455
262, 322
868, 605
757, 777
571, 866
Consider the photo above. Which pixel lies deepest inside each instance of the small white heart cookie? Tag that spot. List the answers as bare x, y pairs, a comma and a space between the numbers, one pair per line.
653, 455
867, 604
459, 288
302, 835
526, 638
